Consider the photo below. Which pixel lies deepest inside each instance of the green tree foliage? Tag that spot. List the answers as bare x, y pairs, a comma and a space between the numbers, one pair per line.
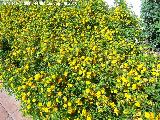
151, 17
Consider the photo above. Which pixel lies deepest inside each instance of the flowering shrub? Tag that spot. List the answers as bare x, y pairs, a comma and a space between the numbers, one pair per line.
78, 61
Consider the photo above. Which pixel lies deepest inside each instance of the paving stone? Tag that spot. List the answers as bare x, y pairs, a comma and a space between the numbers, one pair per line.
10, 106
9, 118
9, 109
18, 116
3, 96
8, 102
3, 113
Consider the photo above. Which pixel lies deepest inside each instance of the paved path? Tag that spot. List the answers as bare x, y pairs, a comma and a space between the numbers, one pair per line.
9, 108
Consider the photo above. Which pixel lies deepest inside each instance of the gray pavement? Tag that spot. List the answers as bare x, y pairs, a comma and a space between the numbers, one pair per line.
9, 108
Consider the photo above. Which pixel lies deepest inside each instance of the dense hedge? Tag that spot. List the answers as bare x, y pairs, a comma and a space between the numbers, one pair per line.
78, 61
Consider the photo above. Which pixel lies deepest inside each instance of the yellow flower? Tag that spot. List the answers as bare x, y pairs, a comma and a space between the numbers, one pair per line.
84, 112
65, 105
116, 111
39, 104
59, 61
28, 101
118, 80
80, 72
67, 24
157, 74
41, 89
127, 96
137, 104
100, 110
89, 118
94, 48
125, 65
26, 67
78, 101
88, 74
37, 76
14, 53
82, 34
49, 64
112, 104
114, 61
34, 100
52, 87
128, 84
131, 72
138, 113
31, 78
69, 104
124, 79
103, 65
46, 109
115, 91
53, 76
140, 66
87, 90
65, 73
41, 113
24, 86
12, 86
151, 116
77, 119
30, 83
70, 110
103, 91
143, 70
29, 107
49, 104
65, 99
98, 94
48, 89
97, 103
70, 85
59, 93
19, 88
57, 100
88, 82
145, 79
158, 117
134, 86
126, 111
152, 80
158, 66
147, 115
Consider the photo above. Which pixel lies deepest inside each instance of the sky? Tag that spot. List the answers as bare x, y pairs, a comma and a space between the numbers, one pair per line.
135, 3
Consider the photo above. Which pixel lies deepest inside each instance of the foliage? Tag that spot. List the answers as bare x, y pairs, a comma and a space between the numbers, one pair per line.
151, 15
78, 61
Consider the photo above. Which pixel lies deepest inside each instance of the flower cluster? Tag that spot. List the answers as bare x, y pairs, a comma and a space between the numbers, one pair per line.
78, 61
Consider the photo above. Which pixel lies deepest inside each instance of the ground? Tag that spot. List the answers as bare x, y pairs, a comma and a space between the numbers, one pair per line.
9, 108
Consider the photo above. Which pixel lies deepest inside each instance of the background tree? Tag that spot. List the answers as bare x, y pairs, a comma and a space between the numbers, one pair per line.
150, 13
